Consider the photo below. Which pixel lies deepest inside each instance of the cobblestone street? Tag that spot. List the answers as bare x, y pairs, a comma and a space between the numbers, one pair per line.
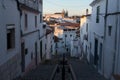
81, 71
85, 71
42, 72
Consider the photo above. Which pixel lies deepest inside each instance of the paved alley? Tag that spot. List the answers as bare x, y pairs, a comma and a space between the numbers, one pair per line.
81, 70
43, 72
84, 71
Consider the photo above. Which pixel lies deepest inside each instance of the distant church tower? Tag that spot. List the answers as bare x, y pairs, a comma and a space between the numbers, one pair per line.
63, 13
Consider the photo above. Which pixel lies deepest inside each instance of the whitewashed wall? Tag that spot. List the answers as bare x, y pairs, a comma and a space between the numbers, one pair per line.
49, 43
75, 50
9, 14
65, 40
33, 34
86, 22
97, 29
111, 51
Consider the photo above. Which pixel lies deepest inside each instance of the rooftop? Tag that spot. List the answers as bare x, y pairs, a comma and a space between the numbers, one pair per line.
70, 24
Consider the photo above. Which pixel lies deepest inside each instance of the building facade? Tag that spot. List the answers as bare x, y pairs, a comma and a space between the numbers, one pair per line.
65, 32
97, 33
57, 15
102, 46
85, 34
49, 43
111, 42
31, 32
10, 49
22, 37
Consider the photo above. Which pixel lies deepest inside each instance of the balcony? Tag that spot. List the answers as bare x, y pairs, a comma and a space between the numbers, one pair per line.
30, 5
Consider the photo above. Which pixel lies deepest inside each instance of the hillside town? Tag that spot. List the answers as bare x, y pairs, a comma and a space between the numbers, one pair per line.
56, 46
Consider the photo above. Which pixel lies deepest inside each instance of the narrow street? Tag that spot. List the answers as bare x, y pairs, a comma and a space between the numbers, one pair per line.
81, 70
59, 40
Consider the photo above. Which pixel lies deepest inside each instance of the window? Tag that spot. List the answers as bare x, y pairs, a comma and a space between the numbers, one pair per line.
65, 35
26, 21
40, 17
45, 47
51, 48
97, 14
90, 45
100, 55
65, 29
35, 21
86, 49
44, 26
109, 30
56, 45
26, 51
10, 38
31, 56
53, 37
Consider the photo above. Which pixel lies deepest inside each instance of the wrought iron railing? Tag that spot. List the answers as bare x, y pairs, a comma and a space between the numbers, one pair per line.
30, 3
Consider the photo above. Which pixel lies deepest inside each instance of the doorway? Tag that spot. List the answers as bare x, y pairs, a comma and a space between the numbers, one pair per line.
100, 55
41, 50
23, 56
36, 53
96, 52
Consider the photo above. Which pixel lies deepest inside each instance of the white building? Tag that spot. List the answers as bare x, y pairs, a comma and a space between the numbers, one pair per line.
31, 32
55, 16
24, 40
75, 48
65, 32
71, 20
112, 40
58, 15
85, 34
10, 57
49, 43
92, 34
97, 33
103, 44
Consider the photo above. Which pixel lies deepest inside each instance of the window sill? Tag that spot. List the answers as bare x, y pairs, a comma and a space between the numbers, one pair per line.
11, 49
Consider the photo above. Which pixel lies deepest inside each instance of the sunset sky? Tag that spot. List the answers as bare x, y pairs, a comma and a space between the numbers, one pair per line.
74, 7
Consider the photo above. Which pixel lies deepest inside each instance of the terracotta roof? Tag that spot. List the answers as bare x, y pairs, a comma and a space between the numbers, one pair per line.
85, 15
58, 13
70, 24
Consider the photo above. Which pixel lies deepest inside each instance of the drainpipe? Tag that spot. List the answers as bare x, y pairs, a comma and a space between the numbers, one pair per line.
116, 41
105, 26
20, 15
18, 7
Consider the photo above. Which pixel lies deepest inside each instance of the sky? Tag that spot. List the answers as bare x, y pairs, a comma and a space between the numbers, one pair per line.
74, 7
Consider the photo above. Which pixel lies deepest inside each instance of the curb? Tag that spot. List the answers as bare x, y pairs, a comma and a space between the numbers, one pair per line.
72, 73
53, 73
